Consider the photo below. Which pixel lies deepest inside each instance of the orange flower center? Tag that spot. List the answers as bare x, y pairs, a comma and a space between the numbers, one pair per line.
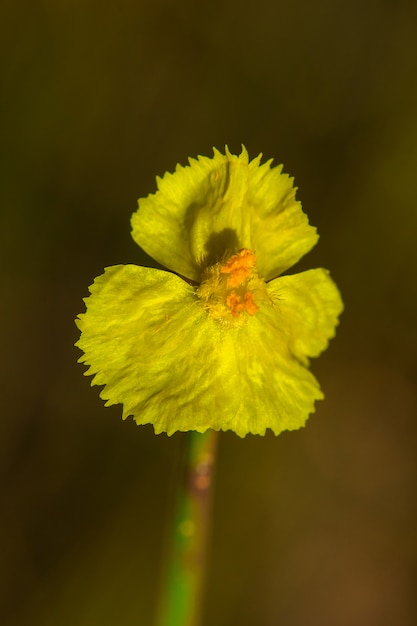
230, 291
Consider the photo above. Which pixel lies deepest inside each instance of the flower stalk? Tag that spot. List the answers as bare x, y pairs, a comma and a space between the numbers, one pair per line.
180, 602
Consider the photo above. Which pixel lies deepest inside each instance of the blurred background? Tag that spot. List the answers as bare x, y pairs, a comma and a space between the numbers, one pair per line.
314, 527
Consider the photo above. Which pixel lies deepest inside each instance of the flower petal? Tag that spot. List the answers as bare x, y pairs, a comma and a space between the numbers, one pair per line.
270, 367
135, 335
307, 307
148, 340
219, 205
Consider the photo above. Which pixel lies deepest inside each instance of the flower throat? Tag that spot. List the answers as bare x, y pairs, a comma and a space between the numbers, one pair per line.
231, 291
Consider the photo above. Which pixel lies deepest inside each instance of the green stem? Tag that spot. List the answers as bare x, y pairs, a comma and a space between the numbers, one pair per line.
182, 592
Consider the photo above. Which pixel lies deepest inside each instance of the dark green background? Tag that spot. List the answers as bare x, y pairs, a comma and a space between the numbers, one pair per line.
315, 527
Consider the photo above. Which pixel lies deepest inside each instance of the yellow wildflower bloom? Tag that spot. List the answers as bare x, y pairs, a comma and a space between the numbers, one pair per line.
221, 339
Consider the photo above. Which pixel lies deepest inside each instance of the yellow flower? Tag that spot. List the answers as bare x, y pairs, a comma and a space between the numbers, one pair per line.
221, 340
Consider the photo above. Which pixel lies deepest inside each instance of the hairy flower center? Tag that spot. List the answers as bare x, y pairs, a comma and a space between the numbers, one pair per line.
232, 290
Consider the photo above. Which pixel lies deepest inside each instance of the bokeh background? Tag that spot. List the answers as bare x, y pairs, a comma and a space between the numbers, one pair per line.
314, 527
